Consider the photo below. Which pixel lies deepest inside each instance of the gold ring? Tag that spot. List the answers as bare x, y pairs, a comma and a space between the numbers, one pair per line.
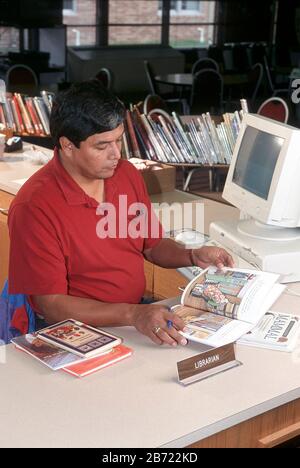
156, 330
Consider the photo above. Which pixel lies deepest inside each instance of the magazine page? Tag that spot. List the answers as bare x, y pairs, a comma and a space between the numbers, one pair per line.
79, 338
234, 293
48, 354
209, 328
275, 330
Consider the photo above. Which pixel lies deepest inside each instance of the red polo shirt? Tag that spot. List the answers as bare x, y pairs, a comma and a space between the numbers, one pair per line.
55, 245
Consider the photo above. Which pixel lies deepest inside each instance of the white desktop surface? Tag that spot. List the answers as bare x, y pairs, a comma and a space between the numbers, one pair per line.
139, 402
15, 168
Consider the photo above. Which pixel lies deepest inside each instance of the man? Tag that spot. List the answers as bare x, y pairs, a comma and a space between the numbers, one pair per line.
60, 256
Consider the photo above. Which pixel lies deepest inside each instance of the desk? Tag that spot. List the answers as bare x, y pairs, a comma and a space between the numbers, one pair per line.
139, 403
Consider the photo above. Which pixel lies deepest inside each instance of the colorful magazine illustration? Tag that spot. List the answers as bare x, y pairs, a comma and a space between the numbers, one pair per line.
219, 306
78, 338
50, 355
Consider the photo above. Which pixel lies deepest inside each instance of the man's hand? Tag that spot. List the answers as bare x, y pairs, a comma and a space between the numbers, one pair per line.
207, 256
152, 320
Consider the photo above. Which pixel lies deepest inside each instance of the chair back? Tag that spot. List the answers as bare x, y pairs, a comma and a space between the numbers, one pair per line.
150, 78
155, 113
207, 92
16, 315
268, 76
255, 78
153, 101
203, 63
22, 79
104, 75
275, 108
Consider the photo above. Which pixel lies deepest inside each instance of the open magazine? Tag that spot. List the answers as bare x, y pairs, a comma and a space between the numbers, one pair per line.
219, 306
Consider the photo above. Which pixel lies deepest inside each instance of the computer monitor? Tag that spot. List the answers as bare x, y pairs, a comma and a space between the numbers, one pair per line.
263, 179
263, 182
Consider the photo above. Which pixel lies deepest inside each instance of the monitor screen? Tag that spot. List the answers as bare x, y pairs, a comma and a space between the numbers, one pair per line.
256, 161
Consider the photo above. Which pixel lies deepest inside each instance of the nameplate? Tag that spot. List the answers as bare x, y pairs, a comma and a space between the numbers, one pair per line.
205, 364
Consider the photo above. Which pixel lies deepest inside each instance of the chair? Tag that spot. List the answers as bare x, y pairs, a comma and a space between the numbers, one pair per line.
255, 79
155, 113
154, 89
205, 63
269, 81
207, 92
240, 58
104, 75
22, 79
153, 101
16, 315
274, 108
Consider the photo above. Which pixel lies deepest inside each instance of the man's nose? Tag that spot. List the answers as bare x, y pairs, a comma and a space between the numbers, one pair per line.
115, 150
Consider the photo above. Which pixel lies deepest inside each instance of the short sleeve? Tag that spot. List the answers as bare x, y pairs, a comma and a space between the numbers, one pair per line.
37, 264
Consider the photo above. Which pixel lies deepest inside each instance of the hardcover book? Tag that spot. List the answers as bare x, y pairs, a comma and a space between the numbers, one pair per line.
219, 306
88, 366
78, 338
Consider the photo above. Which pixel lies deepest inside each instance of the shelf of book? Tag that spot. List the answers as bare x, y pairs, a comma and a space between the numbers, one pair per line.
188, 142
25, 115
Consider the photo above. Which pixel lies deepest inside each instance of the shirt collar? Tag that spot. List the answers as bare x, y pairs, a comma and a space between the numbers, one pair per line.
73, 193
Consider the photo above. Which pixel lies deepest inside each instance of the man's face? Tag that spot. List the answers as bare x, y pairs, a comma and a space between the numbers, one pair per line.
97, 157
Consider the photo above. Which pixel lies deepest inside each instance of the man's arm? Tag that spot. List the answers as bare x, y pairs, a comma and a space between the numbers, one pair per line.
145, 318
169, 254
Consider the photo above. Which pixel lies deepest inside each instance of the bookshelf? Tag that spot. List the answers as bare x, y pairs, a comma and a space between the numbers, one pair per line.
26, 116
191, 142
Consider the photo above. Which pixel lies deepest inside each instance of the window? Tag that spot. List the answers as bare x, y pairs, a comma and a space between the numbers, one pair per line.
137, 22
69, 7
80, 18
183, 7
9, 39
193, 24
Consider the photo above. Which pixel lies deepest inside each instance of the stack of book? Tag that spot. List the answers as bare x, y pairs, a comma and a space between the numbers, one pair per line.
25, 115
168, 139
74, 347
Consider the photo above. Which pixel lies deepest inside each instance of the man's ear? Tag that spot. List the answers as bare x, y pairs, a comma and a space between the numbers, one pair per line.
66, 145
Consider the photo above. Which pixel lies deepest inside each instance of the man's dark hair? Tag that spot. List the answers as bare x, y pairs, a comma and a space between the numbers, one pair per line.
83, 110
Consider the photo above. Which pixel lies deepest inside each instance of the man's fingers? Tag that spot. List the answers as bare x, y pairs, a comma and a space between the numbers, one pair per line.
171, 337
154, 337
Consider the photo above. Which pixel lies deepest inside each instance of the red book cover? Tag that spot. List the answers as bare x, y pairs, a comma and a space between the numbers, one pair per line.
18, 111
33, 116
133, 140
88, 366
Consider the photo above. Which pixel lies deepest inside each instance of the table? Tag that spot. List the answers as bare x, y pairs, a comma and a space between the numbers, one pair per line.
186, 79
139, 402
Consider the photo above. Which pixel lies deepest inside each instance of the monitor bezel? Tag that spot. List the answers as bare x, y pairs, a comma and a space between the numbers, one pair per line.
270, 210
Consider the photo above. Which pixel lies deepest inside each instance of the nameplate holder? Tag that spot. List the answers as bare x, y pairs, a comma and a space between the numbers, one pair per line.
206, 364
